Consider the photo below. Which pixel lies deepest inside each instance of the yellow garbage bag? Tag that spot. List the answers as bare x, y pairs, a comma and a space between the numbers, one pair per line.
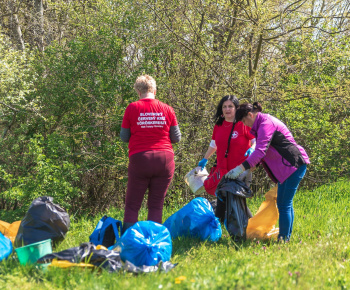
262, 225
10, 230
66, 264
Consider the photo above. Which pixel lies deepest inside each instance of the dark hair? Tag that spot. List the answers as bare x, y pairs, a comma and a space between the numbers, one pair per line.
245, 108
218, 118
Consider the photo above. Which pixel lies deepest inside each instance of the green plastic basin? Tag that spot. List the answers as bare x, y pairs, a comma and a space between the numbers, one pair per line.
31, 253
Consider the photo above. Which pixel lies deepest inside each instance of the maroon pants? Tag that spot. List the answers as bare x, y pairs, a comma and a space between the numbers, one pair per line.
152, 170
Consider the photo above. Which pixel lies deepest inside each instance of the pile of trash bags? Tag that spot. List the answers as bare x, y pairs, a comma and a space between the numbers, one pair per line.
87, 255
146, 246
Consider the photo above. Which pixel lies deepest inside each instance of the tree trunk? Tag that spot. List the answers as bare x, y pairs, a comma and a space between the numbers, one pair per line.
15, 28
39, 24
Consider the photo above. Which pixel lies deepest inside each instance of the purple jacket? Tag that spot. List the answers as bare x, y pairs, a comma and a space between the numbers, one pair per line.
275, 148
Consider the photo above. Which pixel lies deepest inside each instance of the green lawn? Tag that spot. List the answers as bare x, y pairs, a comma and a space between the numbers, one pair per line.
318, 255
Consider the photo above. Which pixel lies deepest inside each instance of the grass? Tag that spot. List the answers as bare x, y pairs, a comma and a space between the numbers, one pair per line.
318, 255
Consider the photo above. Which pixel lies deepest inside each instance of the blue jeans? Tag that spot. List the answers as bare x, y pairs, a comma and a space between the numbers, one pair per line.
285, 194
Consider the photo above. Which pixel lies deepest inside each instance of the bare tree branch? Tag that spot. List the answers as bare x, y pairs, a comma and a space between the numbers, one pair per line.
10, 107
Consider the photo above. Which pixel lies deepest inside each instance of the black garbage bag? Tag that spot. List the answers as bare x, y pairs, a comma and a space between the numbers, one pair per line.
43, 220
87, 253
105, 259
233, 193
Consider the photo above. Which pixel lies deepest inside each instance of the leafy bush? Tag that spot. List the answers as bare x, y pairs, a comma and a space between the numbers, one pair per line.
44, 176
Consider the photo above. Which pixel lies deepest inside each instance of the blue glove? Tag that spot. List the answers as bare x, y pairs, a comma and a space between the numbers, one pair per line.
202, 163
218, 197
249, 151
233, 173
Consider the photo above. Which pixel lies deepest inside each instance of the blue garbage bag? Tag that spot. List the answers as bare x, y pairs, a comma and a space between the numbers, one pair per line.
106, 232
5, 247
196, 219
146, 243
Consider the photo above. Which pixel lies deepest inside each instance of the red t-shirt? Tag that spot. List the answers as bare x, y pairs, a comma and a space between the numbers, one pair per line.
240, 143
149, 121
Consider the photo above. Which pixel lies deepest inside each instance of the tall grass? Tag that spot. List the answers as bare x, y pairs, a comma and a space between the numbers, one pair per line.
318, 255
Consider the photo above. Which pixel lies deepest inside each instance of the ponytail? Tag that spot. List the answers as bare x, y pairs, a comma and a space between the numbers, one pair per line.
245, 108
256, 107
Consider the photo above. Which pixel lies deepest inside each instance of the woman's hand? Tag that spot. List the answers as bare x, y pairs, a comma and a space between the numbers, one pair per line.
233, 173
246, 177
203, 163
249, 151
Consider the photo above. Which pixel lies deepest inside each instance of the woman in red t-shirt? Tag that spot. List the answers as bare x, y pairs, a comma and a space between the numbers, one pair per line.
241, 142
150, 126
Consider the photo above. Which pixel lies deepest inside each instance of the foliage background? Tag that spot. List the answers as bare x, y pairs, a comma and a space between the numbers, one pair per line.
67, 70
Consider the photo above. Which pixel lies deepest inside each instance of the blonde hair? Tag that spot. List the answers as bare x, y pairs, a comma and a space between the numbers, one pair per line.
145, 84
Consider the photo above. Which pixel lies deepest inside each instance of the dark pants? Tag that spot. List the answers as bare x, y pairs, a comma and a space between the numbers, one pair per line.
152, 170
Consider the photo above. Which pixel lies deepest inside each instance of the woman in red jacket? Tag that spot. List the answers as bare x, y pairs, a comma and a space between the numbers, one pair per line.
241, 142
150, 126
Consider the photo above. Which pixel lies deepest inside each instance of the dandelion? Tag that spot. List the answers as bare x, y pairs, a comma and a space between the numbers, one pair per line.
178, 280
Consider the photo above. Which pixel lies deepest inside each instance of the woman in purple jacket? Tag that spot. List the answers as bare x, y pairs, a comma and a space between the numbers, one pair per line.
282, 158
